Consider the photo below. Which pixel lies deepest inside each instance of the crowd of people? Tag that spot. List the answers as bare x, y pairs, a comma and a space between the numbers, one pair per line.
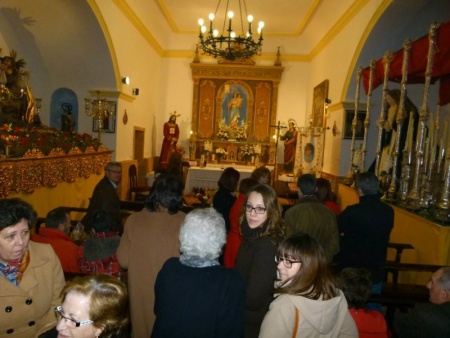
240, 268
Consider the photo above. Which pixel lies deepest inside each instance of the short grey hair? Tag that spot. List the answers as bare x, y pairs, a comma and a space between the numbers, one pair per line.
444, 280
203, 234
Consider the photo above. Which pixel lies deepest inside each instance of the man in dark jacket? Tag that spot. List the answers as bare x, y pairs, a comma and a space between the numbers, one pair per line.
310, 216
432, 319
365, 229
105, 198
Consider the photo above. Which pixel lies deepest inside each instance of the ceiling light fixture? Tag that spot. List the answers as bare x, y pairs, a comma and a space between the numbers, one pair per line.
230, 45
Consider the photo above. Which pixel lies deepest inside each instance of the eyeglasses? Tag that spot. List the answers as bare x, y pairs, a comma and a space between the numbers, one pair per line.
286, 262
69, 321
115, 172
258, 210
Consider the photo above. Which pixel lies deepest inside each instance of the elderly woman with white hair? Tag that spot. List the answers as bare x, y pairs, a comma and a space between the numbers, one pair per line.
194, 295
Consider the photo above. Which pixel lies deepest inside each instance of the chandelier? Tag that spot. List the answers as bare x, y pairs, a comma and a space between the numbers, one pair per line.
16, 90
101, 111
229, 45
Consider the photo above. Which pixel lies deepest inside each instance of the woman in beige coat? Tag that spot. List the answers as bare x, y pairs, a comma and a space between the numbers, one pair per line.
150, 238
31, 277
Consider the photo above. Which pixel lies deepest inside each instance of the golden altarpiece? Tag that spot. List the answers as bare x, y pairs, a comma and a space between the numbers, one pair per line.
234, 112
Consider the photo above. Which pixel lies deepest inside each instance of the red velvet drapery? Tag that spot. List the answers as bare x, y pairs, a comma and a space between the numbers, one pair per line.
417, 64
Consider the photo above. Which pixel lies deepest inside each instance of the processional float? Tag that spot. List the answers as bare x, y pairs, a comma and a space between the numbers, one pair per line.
420, 176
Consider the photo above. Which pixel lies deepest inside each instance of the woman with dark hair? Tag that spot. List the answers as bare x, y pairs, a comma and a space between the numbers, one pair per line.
150, 237
262, 229
93, 306
261, 175
196, 297
325, 195
31, 276
307, 302
357, 288
225, 197
234, 237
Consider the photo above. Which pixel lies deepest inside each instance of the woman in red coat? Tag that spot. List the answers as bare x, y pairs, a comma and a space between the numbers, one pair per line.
234, 237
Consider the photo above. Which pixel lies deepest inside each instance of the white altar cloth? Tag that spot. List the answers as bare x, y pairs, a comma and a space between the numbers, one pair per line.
207, 177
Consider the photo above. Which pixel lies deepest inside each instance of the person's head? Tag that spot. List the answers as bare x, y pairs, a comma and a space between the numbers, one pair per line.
229, 179
102, 221
306, 184
323, 191
303, 268
173, 118
180, 150
246, 184
202, 235
292, 124
16, 219
261, 209
166, 194
113, 171
58, 218
439, 286
356, 286
393, 98
98, 302
262, 175
367, 184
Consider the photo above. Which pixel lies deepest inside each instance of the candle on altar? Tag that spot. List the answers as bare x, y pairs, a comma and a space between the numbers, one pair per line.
409, 135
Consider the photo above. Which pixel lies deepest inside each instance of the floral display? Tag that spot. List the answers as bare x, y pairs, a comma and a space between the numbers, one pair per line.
45, 140
207, 146
247, 151
220, 151
223, 133
239, 133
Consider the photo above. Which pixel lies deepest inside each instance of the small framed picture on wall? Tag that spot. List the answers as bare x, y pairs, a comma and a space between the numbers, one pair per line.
348, 120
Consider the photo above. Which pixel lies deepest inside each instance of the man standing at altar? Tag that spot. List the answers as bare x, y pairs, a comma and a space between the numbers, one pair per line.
171, 134
365, 229
105, 198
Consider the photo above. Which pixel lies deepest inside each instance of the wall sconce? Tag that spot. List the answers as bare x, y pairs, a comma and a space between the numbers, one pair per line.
327, 102
135, 91
126, 80
334, 129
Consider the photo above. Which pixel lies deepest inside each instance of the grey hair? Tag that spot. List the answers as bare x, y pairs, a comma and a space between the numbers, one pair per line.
111, 165
203, 234
444, 280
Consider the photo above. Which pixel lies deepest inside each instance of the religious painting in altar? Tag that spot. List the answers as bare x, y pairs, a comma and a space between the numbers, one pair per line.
349, 115
318, 110
234, 105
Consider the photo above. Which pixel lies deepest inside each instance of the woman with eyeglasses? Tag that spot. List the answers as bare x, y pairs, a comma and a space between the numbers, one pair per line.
93, 306
262, 229
31, 276
307, 302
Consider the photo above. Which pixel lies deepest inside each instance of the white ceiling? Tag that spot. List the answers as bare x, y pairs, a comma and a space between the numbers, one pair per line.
311, 19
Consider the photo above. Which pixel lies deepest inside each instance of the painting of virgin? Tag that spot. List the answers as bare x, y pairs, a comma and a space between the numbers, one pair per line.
234, 106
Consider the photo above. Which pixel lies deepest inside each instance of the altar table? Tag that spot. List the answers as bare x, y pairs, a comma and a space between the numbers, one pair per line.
207, 177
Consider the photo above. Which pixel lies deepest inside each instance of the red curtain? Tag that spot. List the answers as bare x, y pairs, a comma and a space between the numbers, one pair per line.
417, 64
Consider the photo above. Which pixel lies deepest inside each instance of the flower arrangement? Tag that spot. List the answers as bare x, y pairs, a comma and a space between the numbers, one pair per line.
45, 140
223, 133
207, 147
246, 151
220, 151
241, 133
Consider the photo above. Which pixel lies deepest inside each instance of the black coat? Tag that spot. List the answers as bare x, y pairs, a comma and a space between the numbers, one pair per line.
255, 262
365, 229
104, 198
